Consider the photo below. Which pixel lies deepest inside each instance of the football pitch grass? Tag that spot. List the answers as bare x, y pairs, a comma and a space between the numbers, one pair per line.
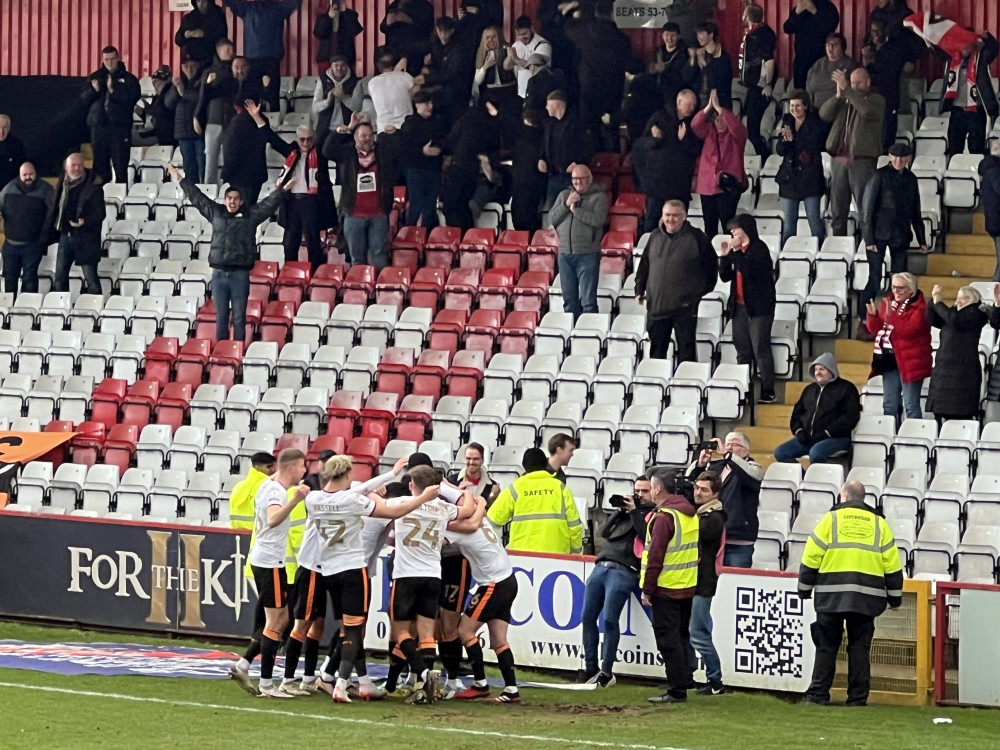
42, 710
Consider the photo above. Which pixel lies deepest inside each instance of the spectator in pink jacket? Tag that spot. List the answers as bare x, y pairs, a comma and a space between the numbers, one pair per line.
721, 178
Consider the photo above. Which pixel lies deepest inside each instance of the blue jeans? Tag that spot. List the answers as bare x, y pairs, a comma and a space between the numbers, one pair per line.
819, 453
18, 258
193, 156
422, 188
894, 391
738, 556
700, 629
578, 276
230, 291
368, 236
790, 207
607, 593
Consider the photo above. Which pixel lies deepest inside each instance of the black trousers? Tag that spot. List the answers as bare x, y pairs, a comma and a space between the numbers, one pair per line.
302, 219
718, 210
962, 124
111, 145
270, 67
683, 322
827, 632
670, 629
756, 105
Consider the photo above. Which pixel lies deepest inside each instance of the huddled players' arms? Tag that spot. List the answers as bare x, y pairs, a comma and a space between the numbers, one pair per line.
278, 513
398, 510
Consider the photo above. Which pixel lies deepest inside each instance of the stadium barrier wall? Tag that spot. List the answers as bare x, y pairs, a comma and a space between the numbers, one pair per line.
190, 580
966, 649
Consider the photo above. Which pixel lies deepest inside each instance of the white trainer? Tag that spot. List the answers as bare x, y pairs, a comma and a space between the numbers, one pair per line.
272, 692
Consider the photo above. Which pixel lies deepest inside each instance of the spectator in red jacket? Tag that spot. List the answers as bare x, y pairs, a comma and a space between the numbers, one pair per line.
902, 345
721, 177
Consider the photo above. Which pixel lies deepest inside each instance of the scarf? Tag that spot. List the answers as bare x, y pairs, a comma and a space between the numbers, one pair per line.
312, 169
954, 68
951, 39
68, 185
883, 339
703, 510
366, 160
709, 507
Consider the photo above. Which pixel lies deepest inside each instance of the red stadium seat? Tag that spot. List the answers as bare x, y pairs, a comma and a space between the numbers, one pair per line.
262, 279
446, 330
393, 372
407, 247
413, 417
333, 443
624, 183
358, 285
426, 287
88, 443
441, 247
616, 252
172, 406
299, 442
626, 224
462, 288
510, 249
140, 400
378, 415
106, 401
277, 321
399, 199
343, 413
429, 373
392, 286
293, 279
481, 331
606, 163
542, 251
475, 247
364, 453
57, 455
517, 333
160, 357
466, 374
325, 284
119, 447
495, 288
629, 204
225, 362
204, 321
189, 367
532, 291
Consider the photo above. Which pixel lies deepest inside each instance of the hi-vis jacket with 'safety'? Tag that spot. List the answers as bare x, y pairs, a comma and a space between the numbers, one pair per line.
542, 515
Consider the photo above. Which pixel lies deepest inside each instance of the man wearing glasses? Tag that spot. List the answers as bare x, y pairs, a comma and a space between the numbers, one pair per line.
310, 206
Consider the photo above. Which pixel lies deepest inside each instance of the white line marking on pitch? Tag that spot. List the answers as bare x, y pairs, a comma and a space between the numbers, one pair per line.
342, 719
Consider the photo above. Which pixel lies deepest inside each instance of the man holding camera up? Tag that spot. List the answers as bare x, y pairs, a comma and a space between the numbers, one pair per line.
669, 577
615, 575
740, 493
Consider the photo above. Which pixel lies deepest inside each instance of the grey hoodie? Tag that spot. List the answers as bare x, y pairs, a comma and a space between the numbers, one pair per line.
828, 361
829, 410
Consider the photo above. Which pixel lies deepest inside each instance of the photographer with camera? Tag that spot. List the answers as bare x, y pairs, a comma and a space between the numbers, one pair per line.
615, 575
740, 493
669, 576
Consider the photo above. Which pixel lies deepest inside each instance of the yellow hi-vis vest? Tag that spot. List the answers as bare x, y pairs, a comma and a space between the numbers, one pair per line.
241, 500
680, 564
542, 514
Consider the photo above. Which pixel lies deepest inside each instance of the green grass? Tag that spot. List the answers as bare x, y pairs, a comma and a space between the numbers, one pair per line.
180, 714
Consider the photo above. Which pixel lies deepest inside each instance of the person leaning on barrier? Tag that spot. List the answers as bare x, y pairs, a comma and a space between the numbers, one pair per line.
540, 509
851, 570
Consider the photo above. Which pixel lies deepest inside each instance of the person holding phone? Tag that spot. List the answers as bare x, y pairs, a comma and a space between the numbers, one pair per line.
422, 135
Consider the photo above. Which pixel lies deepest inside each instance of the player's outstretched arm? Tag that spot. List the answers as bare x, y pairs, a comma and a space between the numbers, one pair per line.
473, 522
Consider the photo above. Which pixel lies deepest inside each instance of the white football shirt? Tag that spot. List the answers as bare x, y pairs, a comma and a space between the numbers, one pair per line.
484, 550
338, 518
419, 538
269, 548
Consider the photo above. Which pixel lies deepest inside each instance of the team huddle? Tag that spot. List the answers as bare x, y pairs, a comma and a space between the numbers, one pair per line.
442, 541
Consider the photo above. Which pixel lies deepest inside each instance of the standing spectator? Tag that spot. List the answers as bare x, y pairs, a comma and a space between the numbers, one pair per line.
528, 44
200, 29
450, 73
77, 213
888, 56
746, 264
855, 141
565, 143
263, 32
183, 99
757, 72
541, 511
711, 545
244, 151
561, 448
24, 204
891, 206
494, 70
740, 494
956, 381
810, 22
366, 198
669, 580
12, 153
407, 27
578, 216
611, 583
971, 99
157, 119
390, 92
527, 183
111, 93
423, 135
891, 13
336, 30
473, 476
710, 67
823, 417
850, 570
215, 105
542, 81
989, 195
477, 136
666, 157
310, 206
233, 251
902, 353
336, 98
819, 81
677, 268
721, 176
800, 178
670, 63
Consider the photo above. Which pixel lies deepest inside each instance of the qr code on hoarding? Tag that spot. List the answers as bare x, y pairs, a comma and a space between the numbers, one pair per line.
769, 632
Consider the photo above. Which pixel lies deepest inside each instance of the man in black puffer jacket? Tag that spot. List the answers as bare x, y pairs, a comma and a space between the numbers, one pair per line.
244, 151
111, 93
233, 250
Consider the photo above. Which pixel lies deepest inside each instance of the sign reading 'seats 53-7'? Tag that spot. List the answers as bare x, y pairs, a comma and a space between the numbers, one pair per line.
642, 14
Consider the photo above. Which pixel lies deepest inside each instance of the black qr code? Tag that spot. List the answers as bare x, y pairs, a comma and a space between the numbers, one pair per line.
769, 632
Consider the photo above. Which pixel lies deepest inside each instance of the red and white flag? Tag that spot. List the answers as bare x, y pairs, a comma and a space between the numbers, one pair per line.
941, 32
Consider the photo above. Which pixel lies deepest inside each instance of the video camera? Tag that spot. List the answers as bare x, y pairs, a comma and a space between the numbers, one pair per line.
618, 501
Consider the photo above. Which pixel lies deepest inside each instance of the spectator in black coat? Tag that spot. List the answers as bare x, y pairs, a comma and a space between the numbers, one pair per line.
76, 214
451, 71
989, 196
199, 31
801, 142
969, 121
422, 135
746, 264
887, 56
12, 153
956, 380
565, 143
188, 130
666, 157
757, 72
478, 133
710, 67
528, 183
544, 80
336, 30
891, 206
670, 64
157, 118
407, 27
810, 21
111, 93
243, 149
475, 16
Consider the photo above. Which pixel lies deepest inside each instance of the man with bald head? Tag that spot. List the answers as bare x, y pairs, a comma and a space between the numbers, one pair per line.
851, 570
856, 112
77, 214
24, 203
578, 216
